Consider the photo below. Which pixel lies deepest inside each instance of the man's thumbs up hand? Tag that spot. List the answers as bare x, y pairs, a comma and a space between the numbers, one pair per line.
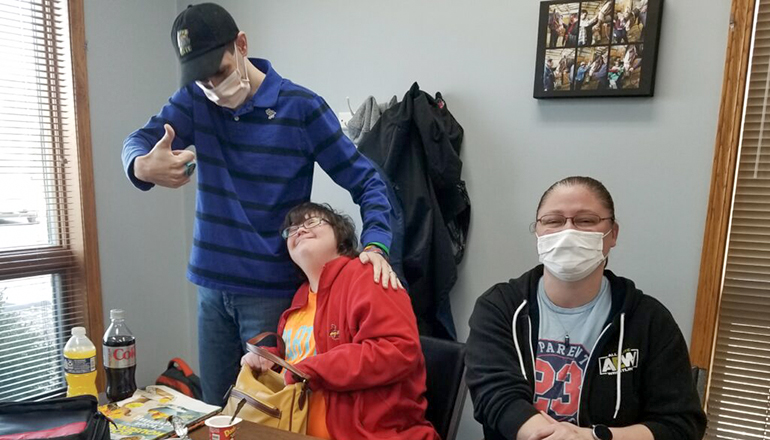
164, 166
165, 142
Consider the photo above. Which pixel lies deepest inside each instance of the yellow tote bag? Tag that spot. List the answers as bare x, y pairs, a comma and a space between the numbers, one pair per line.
264, 397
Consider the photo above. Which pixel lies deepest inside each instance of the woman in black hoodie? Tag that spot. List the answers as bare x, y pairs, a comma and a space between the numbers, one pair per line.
542, 354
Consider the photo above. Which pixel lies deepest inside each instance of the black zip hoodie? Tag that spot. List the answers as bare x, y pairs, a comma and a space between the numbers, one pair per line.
654, 386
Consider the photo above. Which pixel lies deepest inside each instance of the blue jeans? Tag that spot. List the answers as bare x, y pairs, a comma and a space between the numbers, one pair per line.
225, 322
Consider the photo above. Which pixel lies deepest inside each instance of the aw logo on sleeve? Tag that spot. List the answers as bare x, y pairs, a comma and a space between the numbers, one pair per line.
608, 365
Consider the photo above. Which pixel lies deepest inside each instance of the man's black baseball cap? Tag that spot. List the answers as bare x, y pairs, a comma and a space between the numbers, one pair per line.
201, 35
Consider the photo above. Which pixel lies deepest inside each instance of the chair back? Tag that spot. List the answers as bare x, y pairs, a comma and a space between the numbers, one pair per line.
700, 377
445, 381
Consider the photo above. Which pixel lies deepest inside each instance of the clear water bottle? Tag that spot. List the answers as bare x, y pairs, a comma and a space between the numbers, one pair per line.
119, 358
80, 364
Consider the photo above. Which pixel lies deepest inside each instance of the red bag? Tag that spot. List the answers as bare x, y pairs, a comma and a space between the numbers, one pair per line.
180, 377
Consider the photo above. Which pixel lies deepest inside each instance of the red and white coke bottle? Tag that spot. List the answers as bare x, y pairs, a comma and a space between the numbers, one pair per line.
119, 353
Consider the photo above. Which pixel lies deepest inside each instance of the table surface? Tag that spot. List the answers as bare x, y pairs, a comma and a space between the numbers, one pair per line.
248, 430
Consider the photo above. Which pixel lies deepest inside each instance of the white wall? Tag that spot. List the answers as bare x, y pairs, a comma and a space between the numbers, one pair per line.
142, 236
654, 154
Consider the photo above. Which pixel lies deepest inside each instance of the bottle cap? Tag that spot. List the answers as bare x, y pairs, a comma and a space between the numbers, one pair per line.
78, 331
116, 314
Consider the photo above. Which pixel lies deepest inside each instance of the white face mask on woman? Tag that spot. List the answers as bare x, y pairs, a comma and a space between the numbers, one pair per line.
232, 92
571, 255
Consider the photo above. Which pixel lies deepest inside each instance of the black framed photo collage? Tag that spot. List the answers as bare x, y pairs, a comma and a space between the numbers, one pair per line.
597, 48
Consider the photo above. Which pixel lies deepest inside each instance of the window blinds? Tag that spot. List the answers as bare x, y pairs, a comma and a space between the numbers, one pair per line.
42, 293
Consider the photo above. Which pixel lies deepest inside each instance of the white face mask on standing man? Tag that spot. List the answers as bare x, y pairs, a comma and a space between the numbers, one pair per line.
571, 255
232, 92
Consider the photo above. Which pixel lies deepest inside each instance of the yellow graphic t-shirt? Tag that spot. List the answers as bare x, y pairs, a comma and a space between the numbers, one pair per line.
300, 344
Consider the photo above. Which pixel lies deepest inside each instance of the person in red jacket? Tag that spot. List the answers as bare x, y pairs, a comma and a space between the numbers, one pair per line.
357, 342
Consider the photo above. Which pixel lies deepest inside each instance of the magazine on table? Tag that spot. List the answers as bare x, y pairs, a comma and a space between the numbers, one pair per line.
144, 416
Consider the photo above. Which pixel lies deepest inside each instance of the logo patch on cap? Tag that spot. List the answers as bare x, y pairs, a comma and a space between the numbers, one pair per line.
183, 41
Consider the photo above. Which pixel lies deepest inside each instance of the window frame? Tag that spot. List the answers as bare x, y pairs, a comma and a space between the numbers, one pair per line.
88, 253
723, 174
75, 257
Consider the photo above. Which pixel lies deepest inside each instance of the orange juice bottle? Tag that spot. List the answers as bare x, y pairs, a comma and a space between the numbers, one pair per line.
80, 364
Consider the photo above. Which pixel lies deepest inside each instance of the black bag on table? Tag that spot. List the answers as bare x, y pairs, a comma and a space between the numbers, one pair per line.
73, 418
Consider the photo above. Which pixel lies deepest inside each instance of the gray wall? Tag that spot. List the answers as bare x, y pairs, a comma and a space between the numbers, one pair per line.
654, 155
143, 237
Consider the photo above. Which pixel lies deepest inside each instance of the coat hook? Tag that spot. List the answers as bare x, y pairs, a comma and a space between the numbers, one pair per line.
347, 98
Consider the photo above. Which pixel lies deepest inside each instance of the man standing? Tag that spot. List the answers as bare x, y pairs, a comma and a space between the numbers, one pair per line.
554, 25
581, 75
586, 32
572, 31
257, 137
548, 76
600, 72
621, 29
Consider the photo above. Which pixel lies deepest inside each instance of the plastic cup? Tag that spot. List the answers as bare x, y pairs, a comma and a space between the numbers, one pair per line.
220, 427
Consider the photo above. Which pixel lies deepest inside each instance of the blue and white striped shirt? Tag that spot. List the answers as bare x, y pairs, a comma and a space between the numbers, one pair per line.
254, 164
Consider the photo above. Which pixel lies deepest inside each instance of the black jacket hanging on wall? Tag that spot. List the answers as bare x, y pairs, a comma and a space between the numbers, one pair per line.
417, 145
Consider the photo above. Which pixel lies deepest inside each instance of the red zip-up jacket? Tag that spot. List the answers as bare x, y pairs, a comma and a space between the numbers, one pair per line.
368, 359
